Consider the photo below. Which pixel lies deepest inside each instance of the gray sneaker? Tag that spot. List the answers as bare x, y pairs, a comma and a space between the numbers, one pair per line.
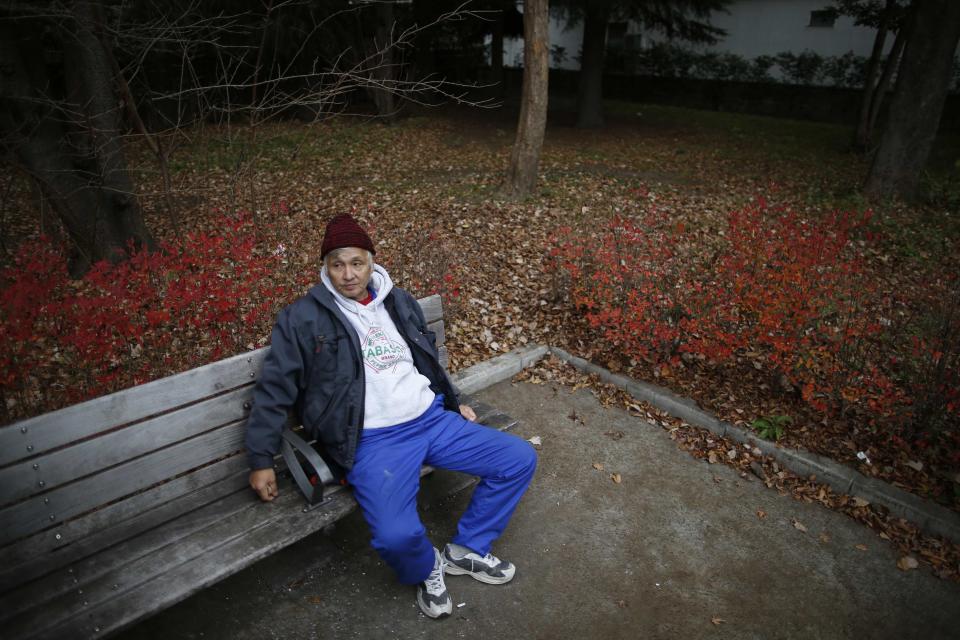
488, 568
432, 593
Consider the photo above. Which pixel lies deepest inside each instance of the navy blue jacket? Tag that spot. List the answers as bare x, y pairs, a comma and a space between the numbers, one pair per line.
314, 367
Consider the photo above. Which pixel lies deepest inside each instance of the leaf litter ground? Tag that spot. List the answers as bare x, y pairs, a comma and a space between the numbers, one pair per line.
427, 187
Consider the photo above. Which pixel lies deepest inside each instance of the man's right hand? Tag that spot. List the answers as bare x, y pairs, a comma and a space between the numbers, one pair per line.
264, 482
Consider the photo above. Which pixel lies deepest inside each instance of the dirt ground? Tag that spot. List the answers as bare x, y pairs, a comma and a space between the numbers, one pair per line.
676, 549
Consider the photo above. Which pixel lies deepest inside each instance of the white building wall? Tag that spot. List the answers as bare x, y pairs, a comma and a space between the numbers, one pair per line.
768, 27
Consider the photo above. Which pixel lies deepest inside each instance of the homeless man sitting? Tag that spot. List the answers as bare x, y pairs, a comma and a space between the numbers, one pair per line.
355, 359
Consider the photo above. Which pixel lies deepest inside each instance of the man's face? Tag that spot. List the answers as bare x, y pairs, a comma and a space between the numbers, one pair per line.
349, 270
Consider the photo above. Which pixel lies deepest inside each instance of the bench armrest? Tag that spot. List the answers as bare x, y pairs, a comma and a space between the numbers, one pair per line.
290, 445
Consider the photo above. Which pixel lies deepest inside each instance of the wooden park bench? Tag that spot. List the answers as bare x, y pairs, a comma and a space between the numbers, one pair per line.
116, 508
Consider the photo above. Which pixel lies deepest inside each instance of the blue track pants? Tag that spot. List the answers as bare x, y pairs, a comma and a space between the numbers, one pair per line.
386, 478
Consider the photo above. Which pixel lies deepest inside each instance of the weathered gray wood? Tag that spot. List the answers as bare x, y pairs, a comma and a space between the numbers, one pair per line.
444, 357
64, 465
226, 523
232, 554
500, 421
58, 428
437, 328
73, 499
94, 581
62, 584
133, 604
56, 548
482, 409
432, 307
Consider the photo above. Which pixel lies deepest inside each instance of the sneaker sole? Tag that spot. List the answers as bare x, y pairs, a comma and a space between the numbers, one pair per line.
434, 616
454, 570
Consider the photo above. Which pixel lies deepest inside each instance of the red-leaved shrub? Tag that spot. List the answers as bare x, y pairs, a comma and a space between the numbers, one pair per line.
122, 324
790, 294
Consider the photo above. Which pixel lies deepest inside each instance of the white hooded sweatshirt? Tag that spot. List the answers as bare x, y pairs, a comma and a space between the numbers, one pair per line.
395, 391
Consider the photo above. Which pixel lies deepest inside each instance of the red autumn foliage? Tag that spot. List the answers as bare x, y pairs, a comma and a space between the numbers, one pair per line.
133, 321
791, 294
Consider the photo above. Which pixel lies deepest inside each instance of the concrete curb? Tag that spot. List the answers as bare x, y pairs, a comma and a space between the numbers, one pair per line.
494, 370
931, 518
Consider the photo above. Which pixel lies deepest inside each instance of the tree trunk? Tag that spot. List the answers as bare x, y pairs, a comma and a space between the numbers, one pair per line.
73, 150
880, 94
384, 71
932, 32
590, 92
522, 175
861, 138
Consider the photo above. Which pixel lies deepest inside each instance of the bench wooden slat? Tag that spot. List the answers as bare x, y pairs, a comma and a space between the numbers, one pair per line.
69, 424
432, 307
73, 499
141, 557
444, 357
100, 577
188, 542
230, 554
482, 409
64, 465
64, 586
437, 328
500, 421
182, 565
31, 558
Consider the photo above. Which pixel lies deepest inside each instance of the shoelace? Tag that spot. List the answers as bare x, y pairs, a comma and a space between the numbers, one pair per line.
491, 560
434, 581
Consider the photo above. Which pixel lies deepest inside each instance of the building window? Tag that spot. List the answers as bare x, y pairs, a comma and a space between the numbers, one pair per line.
822, 18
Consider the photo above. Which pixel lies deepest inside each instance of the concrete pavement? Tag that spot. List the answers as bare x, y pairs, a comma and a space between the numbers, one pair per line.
675, 550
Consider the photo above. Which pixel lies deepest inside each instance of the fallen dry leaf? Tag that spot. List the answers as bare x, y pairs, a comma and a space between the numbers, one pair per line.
799, 526
535, 441
860, 547
598, 466
860, 502
761, 514
616, 478
906, 563
717, 621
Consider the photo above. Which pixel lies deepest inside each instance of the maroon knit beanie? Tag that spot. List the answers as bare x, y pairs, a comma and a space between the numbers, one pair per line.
343, 231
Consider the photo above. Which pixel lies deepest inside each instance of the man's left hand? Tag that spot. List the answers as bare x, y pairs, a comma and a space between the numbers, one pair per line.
468, 413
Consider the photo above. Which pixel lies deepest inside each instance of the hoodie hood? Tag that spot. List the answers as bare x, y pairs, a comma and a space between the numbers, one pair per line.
394, 390
380, 282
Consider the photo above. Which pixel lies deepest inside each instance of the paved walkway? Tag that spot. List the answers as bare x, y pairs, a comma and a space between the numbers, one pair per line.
675, 550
